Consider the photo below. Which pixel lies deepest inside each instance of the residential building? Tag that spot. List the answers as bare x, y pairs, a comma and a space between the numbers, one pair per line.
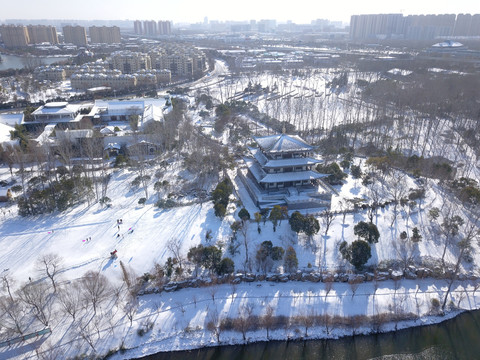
85, 81
104, 34
164, 27
150, 27
39, 34
129, 62
76, 35
414, 27
137, 27
280, 171
150, 77
52, 73
181, 60
14, 36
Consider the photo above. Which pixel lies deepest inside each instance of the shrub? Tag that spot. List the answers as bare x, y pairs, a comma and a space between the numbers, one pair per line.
105, 201
120, 161
356, 171
226, 266
336, 175
16, 188
220, 210
165, 204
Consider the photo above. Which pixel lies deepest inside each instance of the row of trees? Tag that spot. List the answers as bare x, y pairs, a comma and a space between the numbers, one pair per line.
82, 299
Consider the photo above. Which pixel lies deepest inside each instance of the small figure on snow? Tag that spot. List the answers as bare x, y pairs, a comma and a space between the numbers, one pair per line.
118, 235
113, 254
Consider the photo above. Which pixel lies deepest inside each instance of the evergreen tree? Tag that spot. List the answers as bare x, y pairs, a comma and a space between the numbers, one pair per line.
244, 215
296, 222
226, 266
311, 226
275, 216
416, 237
367, 231
290, 261
357, 253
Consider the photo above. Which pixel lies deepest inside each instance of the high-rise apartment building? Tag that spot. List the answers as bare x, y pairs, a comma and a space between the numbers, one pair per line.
414, 27
104, 34
164, 27
75, 35
150, 27
14, 36
42, 34
137, 27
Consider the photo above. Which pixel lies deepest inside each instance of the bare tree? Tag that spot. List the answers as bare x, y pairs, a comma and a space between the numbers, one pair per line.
450, 229
174, 245
130, 309
212, 290
7, 284
70, 299
268, 319
234, 289
397, 189
464, 246
328, 217
86, 332
327, 320
95, 287
244, 319
50, 263
49, 351
213, 324
328, 285
12, 314
405, 251
307, 319
354, 284
37, 296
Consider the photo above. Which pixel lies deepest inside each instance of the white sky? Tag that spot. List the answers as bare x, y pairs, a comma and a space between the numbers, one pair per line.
299, 11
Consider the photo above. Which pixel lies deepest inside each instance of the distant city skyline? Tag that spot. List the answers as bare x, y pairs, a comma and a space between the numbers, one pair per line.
194, 11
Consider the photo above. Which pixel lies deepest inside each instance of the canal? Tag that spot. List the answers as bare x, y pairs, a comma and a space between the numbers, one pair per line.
17, 62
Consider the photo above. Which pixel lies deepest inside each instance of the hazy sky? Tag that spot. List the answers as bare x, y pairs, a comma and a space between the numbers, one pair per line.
299, 11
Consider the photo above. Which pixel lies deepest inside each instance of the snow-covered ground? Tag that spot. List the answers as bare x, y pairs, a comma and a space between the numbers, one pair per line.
178, 320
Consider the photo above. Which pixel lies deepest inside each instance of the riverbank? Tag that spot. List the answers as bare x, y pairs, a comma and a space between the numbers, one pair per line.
202, 320
315, 333
453, 339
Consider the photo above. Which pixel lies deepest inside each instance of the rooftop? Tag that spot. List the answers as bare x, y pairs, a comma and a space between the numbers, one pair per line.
57, 108
282, 143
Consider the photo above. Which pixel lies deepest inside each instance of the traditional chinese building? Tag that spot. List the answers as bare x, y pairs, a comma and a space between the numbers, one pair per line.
280, 171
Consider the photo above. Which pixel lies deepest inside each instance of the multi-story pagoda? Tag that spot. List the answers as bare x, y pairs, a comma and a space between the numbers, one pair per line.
281, 172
